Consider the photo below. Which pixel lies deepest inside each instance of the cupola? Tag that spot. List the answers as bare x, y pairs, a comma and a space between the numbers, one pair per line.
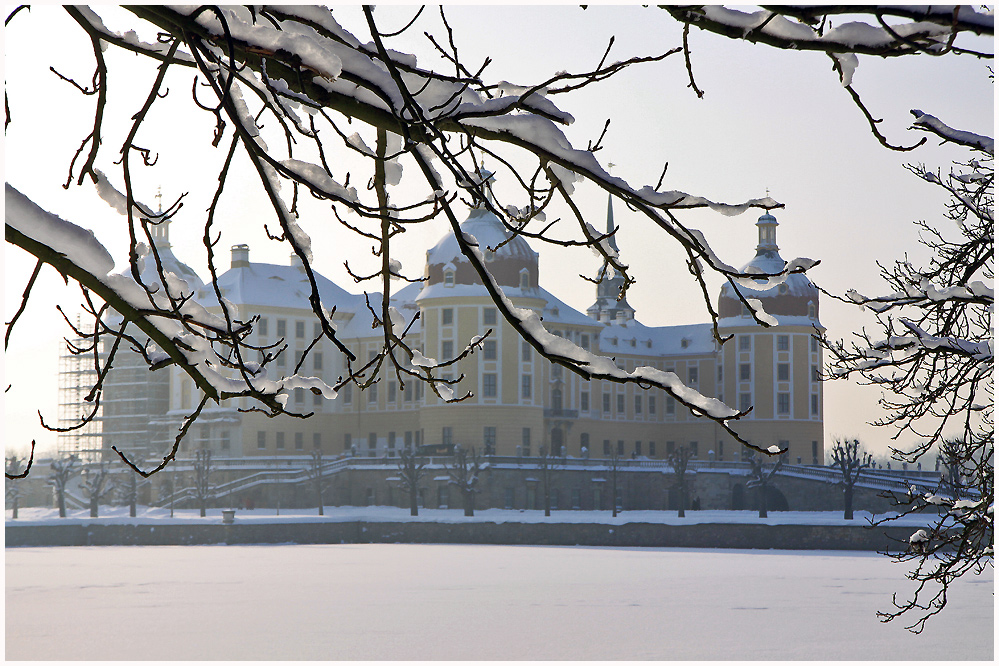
795, 297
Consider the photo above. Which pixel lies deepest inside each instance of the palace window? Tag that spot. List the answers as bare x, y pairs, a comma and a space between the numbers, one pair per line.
783, 403
783, 343
447, 316
489, 350
525, 386
489, 384
783, 372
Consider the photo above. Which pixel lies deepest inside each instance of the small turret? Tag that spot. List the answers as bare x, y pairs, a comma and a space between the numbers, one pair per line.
607, 308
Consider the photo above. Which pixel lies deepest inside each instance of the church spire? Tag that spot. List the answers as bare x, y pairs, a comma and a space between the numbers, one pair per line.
607, 308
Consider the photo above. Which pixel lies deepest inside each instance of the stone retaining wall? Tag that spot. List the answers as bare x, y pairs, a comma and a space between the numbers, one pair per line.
727, 535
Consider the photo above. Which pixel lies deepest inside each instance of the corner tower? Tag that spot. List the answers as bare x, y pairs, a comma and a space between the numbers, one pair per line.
774, 369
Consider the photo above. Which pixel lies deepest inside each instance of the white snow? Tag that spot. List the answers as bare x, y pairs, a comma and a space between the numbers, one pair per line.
459, 602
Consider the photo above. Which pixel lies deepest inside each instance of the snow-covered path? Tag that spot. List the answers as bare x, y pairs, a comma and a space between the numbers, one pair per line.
430, 602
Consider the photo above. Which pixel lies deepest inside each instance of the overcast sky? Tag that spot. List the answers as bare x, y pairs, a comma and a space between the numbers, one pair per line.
769, 120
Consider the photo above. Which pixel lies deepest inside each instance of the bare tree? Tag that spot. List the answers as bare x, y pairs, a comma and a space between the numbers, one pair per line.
16, 468
464, 468
130, 491
412, 469
364, 104
317, 476
850, 460
204, 490
933, 356
678, 459
548, 464
761, 480
933, 362
97, 483
951, 457
614, 462
63, 470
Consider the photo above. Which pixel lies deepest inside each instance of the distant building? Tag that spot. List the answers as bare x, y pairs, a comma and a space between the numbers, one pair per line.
519, 402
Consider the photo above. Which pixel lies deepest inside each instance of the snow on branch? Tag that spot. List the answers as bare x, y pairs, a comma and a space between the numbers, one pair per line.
928, 123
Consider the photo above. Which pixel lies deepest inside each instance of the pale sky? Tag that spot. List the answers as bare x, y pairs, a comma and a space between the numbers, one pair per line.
769, 120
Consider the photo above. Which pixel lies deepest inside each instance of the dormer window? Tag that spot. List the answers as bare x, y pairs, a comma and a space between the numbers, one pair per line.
448, 278
684, 343
782, 289
811, 310
525, 279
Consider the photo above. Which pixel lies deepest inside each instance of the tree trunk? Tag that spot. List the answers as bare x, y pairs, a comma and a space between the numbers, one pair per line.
319, 494
763, 501
682, 499
414, 507
94, 499
61, 498
14, 507
469, 503
848, 502
203, 507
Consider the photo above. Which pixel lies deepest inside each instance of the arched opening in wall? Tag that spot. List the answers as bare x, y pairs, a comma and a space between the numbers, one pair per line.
739, 497
557, 441
776, 500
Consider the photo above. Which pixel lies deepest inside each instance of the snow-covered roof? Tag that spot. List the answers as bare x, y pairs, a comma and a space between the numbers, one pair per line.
557, 312
637, 338
171, 264
272, 285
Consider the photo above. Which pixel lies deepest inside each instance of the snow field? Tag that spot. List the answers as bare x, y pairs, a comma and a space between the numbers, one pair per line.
430, 602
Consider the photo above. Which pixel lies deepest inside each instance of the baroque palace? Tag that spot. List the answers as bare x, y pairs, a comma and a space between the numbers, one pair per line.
519, 402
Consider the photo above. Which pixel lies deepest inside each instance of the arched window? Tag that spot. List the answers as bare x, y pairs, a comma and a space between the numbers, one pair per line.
811, 310
557, 400
525, 279
448, 278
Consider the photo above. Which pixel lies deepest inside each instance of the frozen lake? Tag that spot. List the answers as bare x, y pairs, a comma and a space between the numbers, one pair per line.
432, 602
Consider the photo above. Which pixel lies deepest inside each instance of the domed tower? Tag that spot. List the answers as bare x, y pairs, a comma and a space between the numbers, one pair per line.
506, 376
796, 297
775, 369
135, 400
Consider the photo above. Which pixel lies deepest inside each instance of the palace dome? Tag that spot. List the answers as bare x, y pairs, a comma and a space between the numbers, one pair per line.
796, 297
513, 264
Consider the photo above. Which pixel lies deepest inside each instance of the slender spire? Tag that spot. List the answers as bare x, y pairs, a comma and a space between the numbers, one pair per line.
607, 307
610, 220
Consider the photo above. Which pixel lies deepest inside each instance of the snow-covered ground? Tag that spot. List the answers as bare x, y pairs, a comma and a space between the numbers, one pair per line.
118, 514
429, 602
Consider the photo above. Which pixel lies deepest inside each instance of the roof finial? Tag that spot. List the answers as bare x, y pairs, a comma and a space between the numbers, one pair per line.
159, 199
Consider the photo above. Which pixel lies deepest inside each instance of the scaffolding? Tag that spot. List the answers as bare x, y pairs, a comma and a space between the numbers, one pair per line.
77, 376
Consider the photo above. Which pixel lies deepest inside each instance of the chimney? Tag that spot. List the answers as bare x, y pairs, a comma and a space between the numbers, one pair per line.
240, 256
